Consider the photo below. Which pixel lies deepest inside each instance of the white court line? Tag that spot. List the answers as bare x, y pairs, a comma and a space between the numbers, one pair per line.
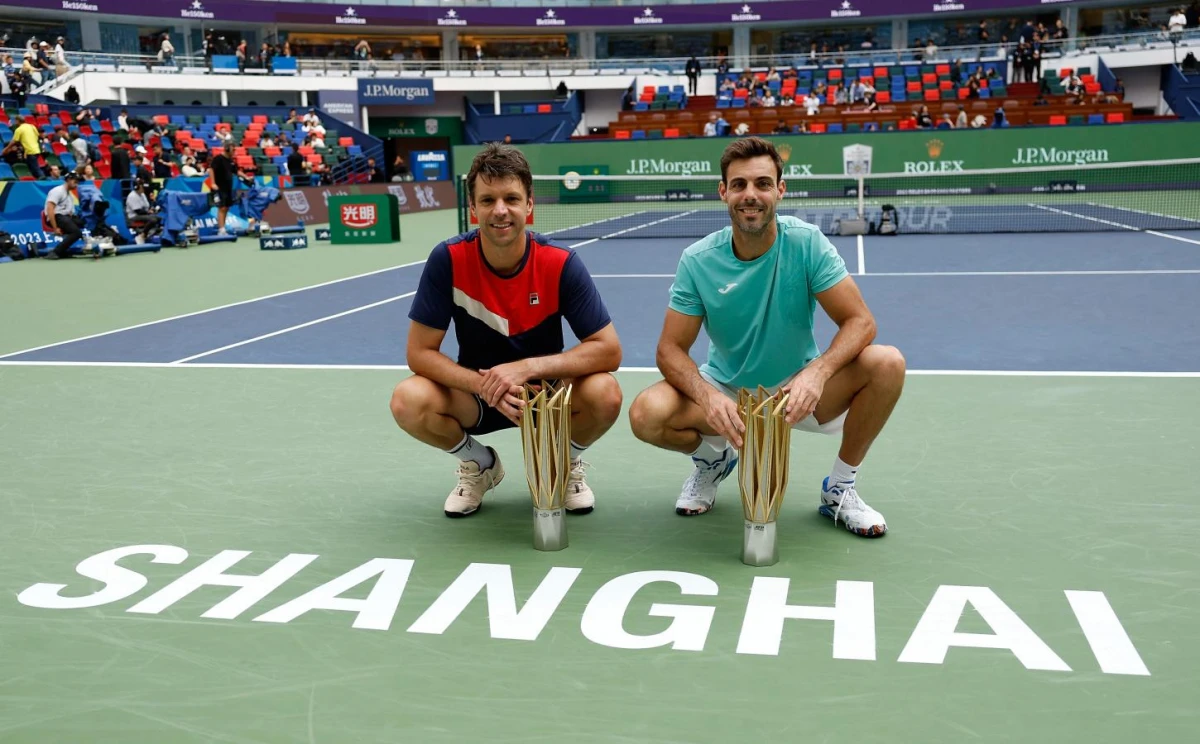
1173, 237
596, 222
1143, 212
1155, 233
636, 227
209, 310
289, 329
1065, 272
654, 370
862, 257
1085, 217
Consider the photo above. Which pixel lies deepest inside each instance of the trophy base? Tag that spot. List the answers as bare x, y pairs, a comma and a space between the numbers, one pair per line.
759, 545
550, 529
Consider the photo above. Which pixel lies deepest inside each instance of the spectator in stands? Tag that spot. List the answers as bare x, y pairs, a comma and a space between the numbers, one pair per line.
946, 122
240, 53
787, 100
400, 171
54, 173
266, 57
189, 167
162, 165
924, 120
692, 70
292, 119
1073, 85
710, 127
222, 175
781, 128
931, 50
166, 51
81, 148
43, 62
297, 168
961, 121
999, 119
61, 68
58, 215
27, 145
1176, 24
374, 172
812, 103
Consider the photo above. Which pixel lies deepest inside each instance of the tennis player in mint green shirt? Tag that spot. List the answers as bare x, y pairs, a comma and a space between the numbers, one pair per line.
754, 287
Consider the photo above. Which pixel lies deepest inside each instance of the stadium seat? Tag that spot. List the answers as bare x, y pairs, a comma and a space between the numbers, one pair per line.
883, 96
621, 134
1115, 118
671, 133
6, 172
1058, 120
1095, 119
544, 108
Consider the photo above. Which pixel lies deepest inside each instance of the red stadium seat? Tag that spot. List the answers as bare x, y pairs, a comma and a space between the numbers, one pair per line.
1058, 120
621, 134
544, 108
1115, 118
883, 96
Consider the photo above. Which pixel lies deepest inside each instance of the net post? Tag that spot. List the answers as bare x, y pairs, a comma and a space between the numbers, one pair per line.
862, 197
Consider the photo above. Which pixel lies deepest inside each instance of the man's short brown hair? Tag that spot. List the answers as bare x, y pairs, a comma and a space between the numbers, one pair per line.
499, 161
746, 148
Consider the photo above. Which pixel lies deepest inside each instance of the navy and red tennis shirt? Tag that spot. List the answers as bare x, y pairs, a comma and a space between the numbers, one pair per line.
505, 318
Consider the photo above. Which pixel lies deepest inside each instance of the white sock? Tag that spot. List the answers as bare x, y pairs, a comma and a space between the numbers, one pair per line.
577, 450
711, 447
470, 450
842, 474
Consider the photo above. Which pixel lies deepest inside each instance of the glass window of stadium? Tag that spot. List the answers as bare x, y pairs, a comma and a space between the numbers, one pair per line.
1132, 19
383, 47
17, 33
800, 40
518, 46
679, 43
964, 30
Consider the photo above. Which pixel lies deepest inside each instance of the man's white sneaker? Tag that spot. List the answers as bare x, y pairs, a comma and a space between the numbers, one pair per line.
473, 483
842, 503
579, 499
700, 489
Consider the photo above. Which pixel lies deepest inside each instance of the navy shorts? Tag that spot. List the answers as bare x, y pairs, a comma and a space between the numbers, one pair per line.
490, 420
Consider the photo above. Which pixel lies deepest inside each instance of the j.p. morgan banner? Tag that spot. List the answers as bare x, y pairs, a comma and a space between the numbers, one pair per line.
310, 205
397, 91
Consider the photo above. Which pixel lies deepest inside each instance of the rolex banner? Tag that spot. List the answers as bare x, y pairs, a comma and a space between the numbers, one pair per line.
310, 205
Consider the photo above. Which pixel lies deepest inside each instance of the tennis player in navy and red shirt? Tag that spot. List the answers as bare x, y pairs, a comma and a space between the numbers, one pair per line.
507, 291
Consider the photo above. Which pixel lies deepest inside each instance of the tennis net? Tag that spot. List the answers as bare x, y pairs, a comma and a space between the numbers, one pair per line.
1151, 195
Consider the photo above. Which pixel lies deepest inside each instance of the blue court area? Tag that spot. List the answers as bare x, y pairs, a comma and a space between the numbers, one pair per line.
936, 216
1111, 302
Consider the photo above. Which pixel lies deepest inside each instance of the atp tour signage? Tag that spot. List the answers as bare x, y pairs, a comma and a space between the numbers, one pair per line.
398, 91
1090, 638
450, 17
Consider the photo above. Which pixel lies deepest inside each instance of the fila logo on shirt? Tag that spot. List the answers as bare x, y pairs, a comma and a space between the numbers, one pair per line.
533, 299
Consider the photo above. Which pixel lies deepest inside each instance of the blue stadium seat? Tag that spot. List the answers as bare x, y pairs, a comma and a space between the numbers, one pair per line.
1095, 119
723, 103
638, 134
985, 93
6, 172
835, 127
67, 160
178, 120
284, 66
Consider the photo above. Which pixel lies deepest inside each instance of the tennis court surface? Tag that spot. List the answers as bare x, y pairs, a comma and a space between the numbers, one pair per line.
215, 533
